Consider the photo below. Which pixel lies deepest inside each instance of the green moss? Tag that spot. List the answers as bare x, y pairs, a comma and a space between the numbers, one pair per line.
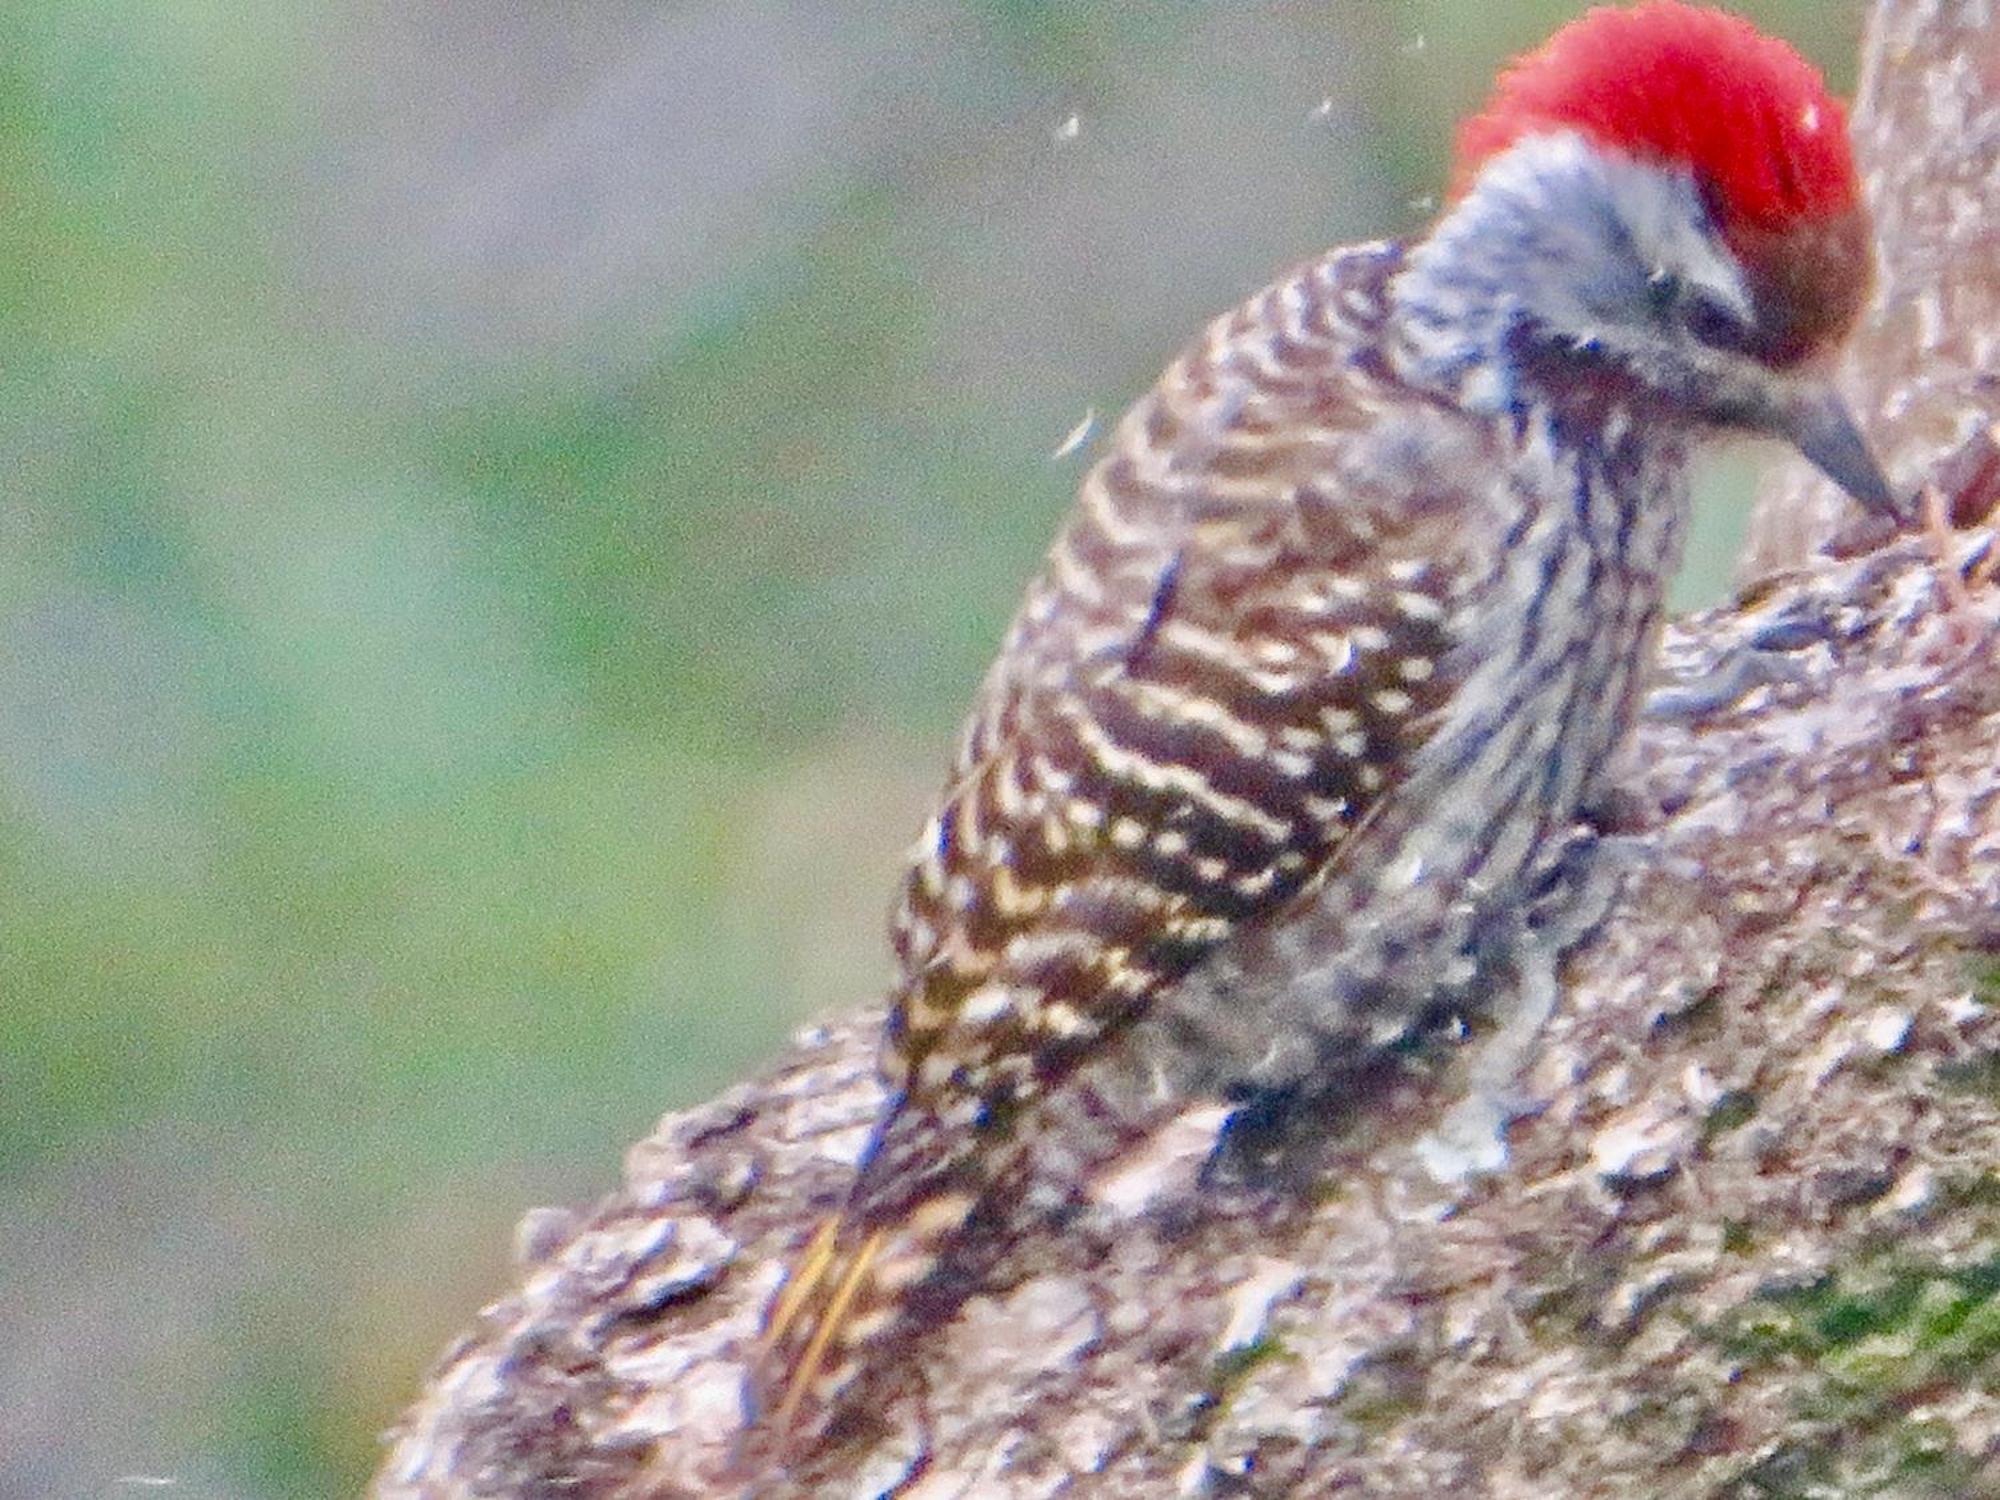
1383, 1391
1923, 1463
1861, 1353
1978, 1190
1226, 1376
1698, 1020
1734, 1109
1233, 1366
1978, 1074
1986, 982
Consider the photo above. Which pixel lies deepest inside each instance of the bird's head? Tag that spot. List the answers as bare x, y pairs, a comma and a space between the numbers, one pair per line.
1661, 203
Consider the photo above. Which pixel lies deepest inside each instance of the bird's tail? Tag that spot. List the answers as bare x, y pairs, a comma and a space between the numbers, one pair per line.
845, 1296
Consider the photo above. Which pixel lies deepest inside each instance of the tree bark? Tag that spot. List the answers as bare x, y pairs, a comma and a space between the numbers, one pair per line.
1748, 1243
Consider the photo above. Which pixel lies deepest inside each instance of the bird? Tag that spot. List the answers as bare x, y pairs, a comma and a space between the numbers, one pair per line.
1355, 613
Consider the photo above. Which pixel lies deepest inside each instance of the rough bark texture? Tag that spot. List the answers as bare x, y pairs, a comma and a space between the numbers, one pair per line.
1749, 1245
1925, 364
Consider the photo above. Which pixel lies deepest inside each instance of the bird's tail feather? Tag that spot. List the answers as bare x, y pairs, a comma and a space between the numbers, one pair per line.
806, 1322
842, 1295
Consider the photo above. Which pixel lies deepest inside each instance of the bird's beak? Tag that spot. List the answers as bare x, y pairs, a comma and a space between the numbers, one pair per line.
1816, 422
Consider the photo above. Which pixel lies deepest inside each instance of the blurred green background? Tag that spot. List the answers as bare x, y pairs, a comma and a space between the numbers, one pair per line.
500, 507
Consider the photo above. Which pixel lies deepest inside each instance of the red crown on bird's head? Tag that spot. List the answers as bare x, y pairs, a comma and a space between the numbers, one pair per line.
1694, 88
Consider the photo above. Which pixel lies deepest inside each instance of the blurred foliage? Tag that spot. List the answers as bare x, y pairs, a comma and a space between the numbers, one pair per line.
400, 723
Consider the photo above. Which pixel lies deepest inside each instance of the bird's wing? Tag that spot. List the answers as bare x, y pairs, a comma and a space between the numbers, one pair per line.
1240, 635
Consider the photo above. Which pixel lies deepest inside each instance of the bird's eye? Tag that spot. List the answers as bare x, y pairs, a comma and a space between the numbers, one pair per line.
1706, 317
1711, 321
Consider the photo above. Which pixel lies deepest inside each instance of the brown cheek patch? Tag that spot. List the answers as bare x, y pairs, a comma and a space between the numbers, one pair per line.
1809, 282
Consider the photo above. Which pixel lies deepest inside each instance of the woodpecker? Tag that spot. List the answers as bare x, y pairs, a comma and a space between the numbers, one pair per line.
1353, 615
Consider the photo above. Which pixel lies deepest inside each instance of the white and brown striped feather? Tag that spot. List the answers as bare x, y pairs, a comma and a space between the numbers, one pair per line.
1240, 635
